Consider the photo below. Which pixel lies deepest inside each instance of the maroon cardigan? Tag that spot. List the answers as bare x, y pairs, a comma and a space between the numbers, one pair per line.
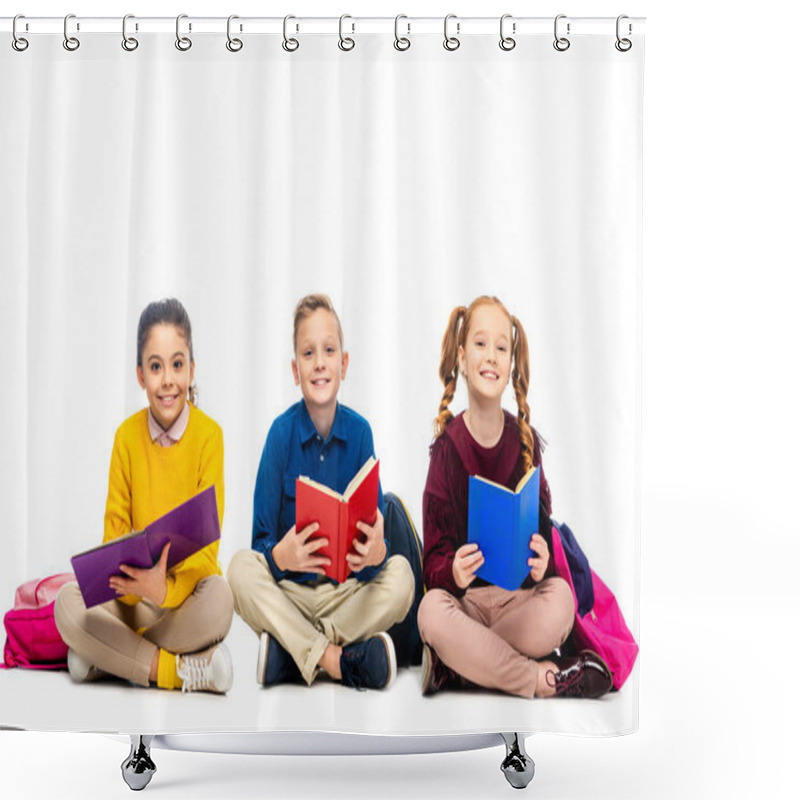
455, 455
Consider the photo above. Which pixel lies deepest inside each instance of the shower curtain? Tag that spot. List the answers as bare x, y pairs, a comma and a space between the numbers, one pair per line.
400, 180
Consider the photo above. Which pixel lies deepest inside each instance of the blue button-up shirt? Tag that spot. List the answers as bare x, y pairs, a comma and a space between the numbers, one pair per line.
294, 448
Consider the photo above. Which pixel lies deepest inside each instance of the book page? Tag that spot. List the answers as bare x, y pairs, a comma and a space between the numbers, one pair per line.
110, 542
359, 477
492, 483
525, 478
321, 487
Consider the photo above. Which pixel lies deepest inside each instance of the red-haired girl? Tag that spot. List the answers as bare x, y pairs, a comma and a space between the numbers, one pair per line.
475, 632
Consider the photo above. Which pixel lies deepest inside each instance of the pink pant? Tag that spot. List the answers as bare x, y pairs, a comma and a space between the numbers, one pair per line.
493, 637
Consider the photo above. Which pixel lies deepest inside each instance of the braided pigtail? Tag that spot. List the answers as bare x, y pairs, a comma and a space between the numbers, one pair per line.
520, 376
448, 368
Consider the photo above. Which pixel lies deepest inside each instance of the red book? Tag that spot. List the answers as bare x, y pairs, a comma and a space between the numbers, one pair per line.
337, 514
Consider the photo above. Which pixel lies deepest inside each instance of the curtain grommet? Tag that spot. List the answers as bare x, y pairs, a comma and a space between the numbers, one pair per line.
183, 43
19, 43
234, 45
451, 43
401, 43
561, 43
346, 43
129, 43
507, 43
289, 44
71, 43
623, 44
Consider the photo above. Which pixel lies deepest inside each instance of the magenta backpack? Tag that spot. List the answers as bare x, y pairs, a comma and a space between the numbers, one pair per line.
603, 627
32, 639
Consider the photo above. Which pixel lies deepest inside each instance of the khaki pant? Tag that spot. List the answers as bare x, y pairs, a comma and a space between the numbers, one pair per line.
305, 618
493, 637
106, 635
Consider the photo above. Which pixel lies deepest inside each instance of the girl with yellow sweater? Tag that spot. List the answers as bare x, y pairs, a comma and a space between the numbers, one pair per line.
166, 627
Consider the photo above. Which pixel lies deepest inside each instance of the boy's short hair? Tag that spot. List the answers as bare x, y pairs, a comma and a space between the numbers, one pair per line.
307, 306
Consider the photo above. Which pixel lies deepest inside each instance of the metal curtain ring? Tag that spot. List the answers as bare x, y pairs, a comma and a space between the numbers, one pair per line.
70, 42
234, 45
345, 42
401, 43
506, 42
183, 43
623, 45
289, 45
18, 42
450, 42
129, 43
561, 43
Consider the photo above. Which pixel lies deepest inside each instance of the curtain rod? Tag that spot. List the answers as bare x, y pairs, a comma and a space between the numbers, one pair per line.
326, 25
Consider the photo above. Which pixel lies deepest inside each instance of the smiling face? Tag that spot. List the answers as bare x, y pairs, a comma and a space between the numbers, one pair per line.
485, 357
166, 373
319, 365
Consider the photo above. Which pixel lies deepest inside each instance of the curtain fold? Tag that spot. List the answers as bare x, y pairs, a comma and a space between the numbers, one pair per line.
400, 183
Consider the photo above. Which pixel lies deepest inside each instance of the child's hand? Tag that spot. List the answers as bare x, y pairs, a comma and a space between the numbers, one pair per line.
467, 561
372, 550
539, 562
296, 552
150, 583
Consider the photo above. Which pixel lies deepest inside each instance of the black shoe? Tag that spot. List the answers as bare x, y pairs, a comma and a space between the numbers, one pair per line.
275, 665
584, 675
369, 665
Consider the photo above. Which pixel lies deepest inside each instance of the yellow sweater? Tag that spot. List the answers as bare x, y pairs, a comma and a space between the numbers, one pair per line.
146, 481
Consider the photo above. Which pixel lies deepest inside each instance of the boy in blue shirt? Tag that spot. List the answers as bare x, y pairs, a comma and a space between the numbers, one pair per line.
307, 622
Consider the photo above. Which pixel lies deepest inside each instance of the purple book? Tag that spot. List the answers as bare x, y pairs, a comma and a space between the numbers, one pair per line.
190, 527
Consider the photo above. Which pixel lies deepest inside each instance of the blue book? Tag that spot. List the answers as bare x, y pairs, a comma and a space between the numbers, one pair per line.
501, 522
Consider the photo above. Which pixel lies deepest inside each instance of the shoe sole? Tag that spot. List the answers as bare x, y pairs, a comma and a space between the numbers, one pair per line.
263, 651
427, 670
391, 657
226, 655
81, 671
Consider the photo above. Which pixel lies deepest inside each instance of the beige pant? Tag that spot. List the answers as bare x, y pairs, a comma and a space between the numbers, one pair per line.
106, 635
305, 618
493, 637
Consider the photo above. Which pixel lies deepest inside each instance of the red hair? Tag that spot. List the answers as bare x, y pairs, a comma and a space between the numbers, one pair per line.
455, 336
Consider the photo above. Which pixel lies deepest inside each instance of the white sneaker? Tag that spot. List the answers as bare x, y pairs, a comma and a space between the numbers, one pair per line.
209, 670
81, 670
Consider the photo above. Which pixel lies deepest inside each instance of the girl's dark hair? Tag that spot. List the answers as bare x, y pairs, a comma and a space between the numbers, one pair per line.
168, 311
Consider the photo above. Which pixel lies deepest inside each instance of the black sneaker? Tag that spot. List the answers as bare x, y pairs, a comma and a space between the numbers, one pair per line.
274, 664
369, 665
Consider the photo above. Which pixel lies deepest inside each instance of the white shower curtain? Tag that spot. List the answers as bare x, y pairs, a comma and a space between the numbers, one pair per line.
400, 183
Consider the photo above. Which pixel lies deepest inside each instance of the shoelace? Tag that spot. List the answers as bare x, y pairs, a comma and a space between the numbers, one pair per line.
195, 672
351, 674
565, 684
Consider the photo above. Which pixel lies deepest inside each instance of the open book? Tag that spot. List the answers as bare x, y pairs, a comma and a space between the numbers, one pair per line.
189, 527
337, 514
501, 522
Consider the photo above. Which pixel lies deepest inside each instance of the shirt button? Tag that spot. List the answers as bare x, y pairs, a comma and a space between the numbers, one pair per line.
319, 438
322, 457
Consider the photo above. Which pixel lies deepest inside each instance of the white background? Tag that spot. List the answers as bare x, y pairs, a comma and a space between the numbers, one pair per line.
720, 433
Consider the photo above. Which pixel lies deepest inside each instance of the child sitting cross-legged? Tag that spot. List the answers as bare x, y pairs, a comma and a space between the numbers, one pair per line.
167, 624
307, 622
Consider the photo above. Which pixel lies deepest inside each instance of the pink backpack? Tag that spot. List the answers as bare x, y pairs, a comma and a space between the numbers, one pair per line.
32, 639
603, 627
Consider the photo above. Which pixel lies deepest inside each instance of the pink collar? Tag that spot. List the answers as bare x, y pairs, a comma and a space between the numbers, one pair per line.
176, 431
